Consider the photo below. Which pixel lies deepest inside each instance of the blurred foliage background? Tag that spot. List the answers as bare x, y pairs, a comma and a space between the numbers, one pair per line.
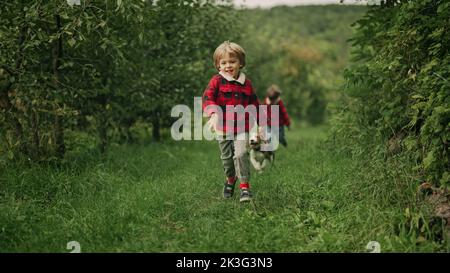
110, 71
302, 49
99, 69
86, 76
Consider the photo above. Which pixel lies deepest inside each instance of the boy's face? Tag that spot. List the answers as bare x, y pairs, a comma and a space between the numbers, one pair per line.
272, 94
230, 65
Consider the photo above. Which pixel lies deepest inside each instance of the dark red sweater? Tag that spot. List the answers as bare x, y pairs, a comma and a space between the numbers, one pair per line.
284, 119
221, 92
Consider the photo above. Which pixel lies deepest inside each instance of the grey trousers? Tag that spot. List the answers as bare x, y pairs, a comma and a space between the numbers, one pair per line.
235, 158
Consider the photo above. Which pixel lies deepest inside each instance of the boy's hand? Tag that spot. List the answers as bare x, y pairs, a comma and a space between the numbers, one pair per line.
212, 123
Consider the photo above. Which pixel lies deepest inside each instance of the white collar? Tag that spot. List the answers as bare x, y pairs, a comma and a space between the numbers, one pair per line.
240, 79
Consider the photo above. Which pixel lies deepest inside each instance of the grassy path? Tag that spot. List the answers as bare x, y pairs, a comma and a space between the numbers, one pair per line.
167, 198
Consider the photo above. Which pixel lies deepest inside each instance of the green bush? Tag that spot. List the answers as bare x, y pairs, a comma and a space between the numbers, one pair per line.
398, 88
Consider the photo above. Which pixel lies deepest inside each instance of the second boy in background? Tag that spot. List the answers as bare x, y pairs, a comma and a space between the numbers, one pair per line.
274, 98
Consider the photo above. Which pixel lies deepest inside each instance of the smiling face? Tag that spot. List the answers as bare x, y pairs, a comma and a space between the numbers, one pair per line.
230, 65
229, 58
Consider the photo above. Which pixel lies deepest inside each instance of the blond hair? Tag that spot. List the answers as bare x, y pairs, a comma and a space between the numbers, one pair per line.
231, 48
274, 88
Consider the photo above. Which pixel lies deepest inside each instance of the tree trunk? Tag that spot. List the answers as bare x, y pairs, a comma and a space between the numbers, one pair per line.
14, 121
102, 130
156, 126
103, 123
5, 102
59, 117
35, 127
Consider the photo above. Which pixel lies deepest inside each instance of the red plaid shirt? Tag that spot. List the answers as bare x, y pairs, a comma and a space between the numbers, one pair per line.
222, 92
284, 119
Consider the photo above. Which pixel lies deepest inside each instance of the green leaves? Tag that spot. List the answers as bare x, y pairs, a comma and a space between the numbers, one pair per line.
102, 65
71, 42
400, 86
429, 160
119, 5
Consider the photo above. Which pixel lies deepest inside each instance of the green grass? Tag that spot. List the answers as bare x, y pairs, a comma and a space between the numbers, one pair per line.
167, 198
